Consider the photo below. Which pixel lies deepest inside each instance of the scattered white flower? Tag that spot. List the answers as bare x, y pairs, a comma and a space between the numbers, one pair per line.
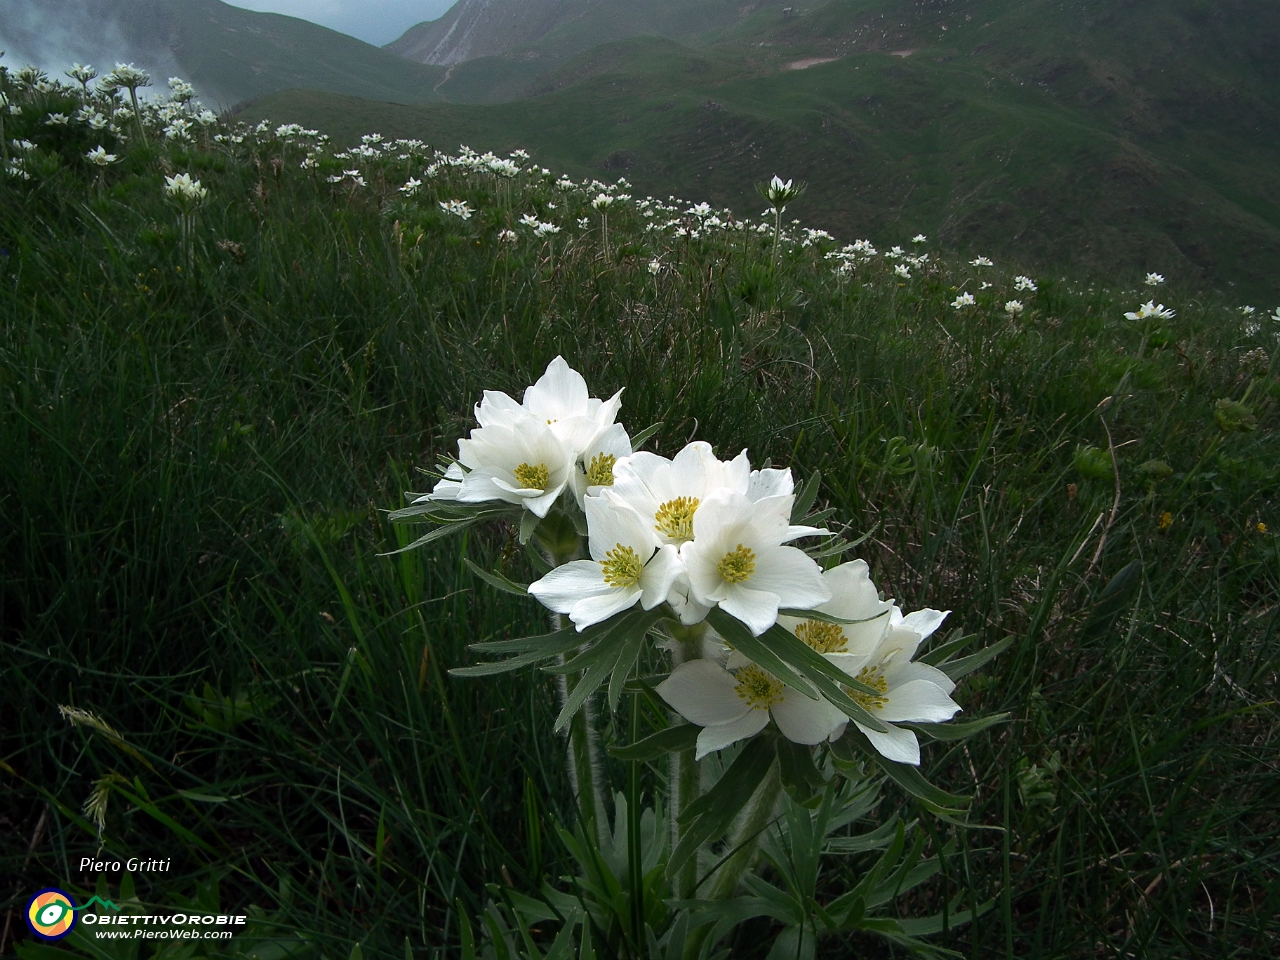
457, 208
584, 223
411, 186
655, 267
981, 262
98, 155
508, 236
1024, 283
964, 300
1150, 309
1247, 311
56, 120
1013, 308
546, 229
903, 271
182, 188
919, 238
1153, 280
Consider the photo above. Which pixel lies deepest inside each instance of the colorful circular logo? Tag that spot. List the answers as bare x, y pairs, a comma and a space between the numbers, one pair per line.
51, 914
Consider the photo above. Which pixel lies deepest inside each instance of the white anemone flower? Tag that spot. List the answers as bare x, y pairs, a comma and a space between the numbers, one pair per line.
668, 492
906, 692
1153, 280
559, 399
919, 238
522, 461
593, 470
736, 701
1024, 283
964, 300
1150, 309
627, 565
981, 262
737, 559
903, 271
99, 156
1013, 308
853, 597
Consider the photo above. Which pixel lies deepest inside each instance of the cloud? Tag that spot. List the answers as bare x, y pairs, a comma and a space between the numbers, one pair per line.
373, 21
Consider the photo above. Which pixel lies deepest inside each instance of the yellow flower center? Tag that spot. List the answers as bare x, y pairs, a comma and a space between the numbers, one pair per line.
675, 518
600, 470
873, 678
533, 476
737, 565
757, 689
621, 567
823, 637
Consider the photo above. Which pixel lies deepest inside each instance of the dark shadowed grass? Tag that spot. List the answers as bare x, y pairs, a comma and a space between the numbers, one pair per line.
197, 453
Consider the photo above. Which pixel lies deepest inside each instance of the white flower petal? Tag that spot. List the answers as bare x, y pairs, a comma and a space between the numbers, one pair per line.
924, 622
703, 692
611, 522
758, 609
793, 576
802, 720
569, 583
659, 575
560, 392
603, 606
720, 736
895, 743
920, 701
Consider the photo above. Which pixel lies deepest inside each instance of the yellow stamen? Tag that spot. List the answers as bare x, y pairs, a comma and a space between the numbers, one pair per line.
675, 518
533, 476
600, 470
823, 637
737, 565
757, 688
621, 567
873, 678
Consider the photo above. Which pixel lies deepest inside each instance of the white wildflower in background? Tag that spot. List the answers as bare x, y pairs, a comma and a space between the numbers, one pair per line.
1024, 283
1247, 311
779, 192
919, 238
24, 146
564, 183
56, 120
1276, 316
179, 129
1013, 308
411, 186
894, 253
964, 300
309, 162
903, 271
546, 229
182, 188
529, 220
98, 155
1153, 280
97, 121
458, 208
603, 202
16, 169
1150, 309
981, 262
655, 267
82, 73
508, 236
984, 285
583, 223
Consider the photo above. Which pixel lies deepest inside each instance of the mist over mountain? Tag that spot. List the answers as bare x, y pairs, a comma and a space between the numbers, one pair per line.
230, 54
479, 28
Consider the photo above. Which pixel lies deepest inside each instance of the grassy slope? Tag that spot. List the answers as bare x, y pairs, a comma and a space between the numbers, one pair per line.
196, 448
969, 147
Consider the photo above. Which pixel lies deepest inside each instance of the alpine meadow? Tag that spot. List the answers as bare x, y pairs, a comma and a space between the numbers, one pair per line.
681, 484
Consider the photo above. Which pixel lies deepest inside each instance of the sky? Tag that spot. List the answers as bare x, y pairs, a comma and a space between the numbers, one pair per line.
373, 21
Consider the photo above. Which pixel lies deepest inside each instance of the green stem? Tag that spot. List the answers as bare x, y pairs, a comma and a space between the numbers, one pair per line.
777, 233
686, 776
137, 114
635, 851
754, 822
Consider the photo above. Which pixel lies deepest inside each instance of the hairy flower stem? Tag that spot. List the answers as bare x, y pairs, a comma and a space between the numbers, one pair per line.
686, 775
777, 234
746, 838
584, 750
137, 114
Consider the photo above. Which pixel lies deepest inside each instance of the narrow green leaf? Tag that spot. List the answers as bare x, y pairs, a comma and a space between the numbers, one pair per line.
805, 496
907, 777
640, 438
558, 641
528, 524
956, 731
444, 531
496, 579
936, 655
800, 777
955, 669
671, 740
826, 617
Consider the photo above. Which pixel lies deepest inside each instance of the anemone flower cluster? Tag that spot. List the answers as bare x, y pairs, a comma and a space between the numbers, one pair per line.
691, 535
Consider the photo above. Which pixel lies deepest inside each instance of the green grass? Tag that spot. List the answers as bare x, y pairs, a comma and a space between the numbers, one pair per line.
198, 450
